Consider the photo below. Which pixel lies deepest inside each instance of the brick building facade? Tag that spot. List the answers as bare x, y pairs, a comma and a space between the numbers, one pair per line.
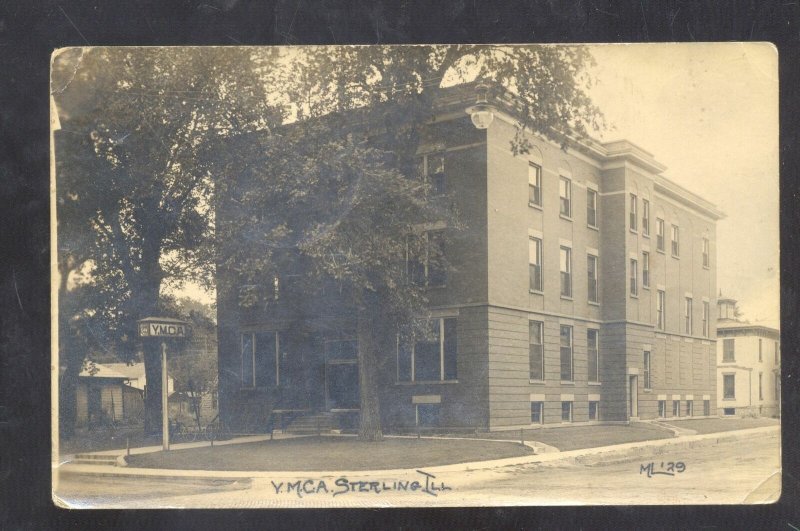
582, 289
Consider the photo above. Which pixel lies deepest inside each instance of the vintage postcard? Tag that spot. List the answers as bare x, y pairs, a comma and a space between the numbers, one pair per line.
428, 275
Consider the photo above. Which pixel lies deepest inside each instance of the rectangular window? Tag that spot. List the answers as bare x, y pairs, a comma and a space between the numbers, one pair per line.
645, 269
565, 260
760, 386
565, 193
634, 277
535, 264
425, 263
534, 185
706, 408
660, 235
706, 254
687, 315
593, 350
647, 370
435, 267
435, 173
566, 411
536, 350
728, 350
729, 411
591, 272
662, 409
690, 408
645, 217
706, 316
760, 350
676, 408
591, 207
660, 316
432, 357
729, 386
676, 241
566, 353
633, 214
537, 412
594, 410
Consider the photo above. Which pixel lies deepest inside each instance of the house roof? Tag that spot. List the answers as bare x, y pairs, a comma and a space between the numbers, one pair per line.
103, 371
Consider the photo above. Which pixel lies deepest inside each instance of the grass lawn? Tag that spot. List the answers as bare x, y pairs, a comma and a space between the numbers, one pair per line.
330, 453
723, 424
95, 441
578, 437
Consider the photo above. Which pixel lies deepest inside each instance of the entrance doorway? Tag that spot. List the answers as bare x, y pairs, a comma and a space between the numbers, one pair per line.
341, 375
633, 396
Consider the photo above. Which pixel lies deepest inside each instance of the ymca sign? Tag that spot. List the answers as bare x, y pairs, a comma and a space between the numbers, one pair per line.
163, 327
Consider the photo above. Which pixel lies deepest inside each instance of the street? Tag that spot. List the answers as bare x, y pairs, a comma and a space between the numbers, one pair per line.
727, 472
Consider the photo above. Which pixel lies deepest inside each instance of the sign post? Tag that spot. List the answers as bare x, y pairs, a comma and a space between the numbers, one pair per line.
166, 329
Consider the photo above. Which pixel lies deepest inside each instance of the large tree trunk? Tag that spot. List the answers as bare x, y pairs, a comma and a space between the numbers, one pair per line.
370, 429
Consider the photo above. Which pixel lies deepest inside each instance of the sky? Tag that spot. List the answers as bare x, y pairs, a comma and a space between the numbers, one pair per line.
709, 112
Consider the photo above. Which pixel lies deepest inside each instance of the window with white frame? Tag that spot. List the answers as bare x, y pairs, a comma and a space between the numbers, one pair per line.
593, 352
706, 317
660, 234
662, 409
760, 386
566, 353
534, 184
676, 408
260, 359
646, 364
728, 349
566, 411
434, 172
565, 261
760, 350
706, 253
591, 207
537, 412
565, 194
430, 356
536, 349
645, 217
535, 264
645, 269
676, 241
660, 315
594, 410
634, 277
633, 212
591, 273
690, 408
729, 386
426, 267
687, 315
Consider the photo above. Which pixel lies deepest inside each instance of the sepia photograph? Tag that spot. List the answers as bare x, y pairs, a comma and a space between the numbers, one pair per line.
415, 275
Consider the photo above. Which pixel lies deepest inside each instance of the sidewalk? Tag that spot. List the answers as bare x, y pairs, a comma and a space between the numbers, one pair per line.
604, 453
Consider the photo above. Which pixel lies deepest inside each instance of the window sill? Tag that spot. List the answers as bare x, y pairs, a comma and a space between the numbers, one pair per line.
646, 235
536, 292
634, 231
428, 382
676, 256
534, 205
634, 295
567, 218
593, 227
537, 382
595, 383
567, 382
660, 251
594, 303
706, 267
646, 287
730, 399
647, 390
566, 298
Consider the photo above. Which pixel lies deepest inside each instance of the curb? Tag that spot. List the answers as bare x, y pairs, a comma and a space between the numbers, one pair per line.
627, 450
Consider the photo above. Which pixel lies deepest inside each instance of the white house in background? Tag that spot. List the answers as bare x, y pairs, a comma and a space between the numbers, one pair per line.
112, 391
748, 365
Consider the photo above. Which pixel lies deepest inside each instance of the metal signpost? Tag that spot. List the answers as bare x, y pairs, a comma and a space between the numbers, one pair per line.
165, 329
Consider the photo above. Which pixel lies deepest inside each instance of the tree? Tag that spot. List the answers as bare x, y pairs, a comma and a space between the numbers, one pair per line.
141, 126
334, 196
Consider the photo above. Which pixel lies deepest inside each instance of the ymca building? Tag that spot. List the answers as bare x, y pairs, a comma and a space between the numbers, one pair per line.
581, 290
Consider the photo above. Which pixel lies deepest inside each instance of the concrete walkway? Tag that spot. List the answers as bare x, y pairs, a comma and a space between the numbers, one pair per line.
604, 453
